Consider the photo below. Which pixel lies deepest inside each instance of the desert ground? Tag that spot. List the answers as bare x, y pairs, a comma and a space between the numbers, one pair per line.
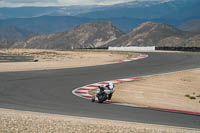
53, 59
180, 90
176, 91
12, 121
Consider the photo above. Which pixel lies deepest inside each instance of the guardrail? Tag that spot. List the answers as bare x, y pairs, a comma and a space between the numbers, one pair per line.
153, 48
150, 48
191, 49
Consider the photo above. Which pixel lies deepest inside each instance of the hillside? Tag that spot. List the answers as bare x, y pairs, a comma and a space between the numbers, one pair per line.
153, 34
193, 41
191, 25
14, 33
87, 35
6, 43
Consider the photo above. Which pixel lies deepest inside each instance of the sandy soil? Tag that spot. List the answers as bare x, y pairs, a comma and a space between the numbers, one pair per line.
52, 59
12, 121
179, 90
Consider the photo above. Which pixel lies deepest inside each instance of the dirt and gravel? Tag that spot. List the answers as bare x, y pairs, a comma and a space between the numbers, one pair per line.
179, 90
53, 59
12, 121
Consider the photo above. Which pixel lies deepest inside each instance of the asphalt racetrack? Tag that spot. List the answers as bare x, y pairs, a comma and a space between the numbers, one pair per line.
50, 91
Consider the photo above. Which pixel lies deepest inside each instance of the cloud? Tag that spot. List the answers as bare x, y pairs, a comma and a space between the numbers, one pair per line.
19, 3
92, 2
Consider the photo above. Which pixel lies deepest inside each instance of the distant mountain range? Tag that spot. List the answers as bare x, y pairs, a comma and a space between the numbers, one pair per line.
89, 35
126, 16
51, 24
45, 24
104, 34
177, 10
192, 25
145, 9
154, 34
6, 43
14, 33
173, 23
29, 12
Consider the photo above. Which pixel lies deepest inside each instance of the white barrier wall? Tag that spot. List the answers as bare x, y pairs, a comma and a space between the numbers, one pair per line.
151, 48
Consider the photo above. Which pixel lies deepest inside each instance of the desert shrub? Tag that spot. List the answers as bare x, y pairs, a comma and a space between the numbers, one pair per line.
192, 97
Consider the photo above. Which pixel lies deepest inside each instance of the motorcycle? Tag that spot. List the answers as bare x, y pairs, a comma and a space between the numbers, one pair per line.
102, 94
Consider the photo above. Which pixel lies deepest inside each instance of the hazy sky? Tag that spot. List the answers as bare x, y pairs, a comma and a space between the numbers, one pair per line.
18, 3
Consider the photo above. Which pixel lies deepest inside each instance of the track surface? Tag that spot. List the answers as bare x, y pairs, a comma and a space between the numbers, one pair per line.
50, 91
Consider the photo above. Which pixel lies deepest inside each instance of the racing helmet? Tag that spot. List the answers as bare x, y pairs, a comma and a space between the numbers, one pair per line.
111, 85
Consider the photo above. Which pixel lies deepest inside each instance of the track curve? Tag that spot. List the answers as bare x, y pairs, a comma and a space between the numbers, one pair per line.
49, 91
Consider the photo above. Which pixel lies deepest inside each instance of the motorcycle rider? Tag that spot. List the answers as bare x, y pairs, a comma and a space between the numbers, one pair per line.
108, 89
